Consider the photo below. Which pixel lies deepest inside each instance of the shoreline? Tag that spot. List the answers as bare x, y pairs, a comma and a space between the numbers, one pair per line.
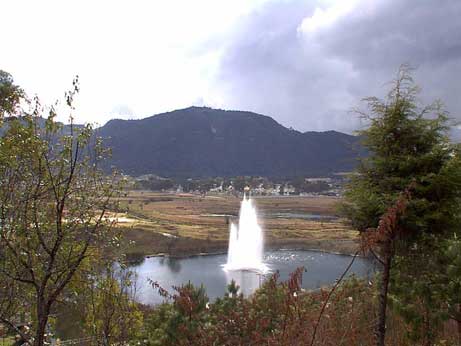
223, 252
181, 226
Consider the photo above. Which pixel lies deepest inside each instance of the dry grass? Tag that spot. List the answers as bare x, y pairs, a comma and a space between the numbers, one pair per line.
184, 224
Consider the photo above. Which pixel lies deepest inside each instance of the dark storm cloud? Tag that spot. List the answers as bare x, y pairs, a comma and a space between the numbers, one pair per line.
310, 80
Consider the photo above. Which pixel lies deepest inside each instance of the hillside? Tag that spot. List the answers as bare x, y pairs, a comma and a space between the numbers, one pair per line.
200, 141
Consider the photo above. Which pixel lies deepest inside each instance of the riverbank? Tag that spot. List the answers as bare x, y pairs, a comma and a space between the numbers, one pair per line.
144, 244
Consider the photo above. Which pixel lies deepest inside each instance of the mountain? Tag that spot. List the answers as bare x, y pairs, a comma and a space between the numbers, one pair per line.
201, 141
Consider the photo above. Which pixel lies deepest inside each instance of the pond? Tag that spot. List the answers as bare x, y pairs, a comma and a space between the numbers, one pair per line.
321, 269
303, 216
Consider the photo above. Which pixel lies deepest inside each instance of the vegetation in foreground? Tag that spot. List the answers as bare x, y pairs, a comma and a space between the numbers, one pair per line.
280, 314
59, 251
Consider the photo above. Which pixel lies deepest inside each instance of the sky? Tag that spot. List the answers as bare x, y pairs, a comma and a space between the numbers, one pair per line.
305, 63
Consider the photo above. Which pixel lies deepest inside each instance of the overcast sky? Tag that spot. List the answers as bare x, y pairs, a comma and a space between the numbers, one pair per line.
305, 63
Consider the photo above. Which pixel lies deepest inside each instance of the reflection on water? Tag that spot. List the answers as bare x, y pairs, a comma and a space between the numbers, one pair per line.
174, 264
246, 280
321, 269
135, 259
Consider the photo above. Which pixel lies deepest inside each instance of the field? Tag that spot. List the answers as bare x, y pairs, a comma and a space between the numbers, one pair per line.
6, 341
185, 224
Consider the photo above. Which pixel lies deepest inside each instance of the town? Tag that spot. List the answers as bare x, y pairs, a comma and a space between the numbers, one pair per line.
260, 186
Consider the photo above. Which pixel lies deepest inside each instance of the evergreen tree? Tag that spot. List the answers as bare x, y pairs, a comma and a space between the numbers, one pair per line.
408, 148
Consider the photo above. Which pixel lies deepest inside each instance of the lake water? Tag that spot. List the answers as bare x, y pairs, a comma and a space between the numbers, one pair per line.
303, 216
321, 269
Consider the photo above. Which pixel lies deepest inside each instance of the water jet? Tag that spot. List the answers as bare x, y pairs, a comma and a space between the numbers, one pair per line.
246, 244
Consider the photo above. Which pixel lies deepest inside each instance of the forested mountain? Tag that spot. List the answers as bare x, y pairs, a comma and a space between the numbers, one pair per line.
201, 141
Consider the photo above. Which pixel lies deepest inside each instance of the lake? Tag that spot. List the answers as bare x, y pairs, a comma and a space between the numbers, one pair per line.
321, 269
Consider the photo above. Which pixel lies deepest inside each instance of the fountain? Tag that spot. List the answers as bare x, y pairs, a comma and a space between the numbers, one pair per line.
245, 265
246, 241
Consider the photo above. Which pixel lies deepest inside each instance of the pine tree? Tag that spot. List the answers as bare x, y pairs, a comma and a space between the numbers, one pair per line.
408, 149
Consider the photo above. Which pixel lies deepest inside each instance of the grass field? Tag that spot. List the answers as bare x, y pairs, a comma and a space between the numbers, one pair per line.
184, 224
6, 341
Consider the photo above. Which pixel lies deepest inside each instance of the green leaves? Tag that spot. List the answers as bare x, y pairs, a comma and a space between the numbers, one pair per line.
10, 96
408, 144
53, 199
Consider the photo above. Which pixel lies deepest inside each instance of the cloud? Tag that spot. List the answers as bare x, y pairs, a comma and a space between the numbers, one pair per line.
152, 55
122, 112
304, 62
307, 64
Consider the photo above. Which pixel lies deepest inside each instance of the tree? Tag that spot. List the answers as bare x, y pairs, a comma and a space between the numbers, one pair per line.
54, 201
409, 148
385, 237
111, 315
453, 281
10, 95
179, 322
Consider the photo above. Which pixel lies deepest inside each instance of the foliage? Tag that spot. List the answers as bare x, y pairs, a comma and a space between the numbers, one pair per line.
111, 314
177, 323
409, 147
155, 184
407, 144
279, 313
452, 276
53, 208
10, 95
